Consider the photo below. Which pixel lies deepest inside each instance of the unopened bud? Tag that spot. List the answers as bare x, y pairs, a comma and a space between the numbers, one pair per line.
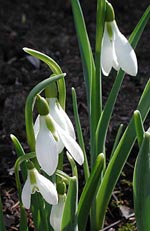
110, 14
42, 105
61, 188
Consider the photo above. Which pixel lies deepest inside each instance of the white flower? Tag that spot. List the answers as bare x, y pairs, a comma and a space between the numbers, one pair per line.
61, 117
37, 183
116, 51
47, 148
57, 213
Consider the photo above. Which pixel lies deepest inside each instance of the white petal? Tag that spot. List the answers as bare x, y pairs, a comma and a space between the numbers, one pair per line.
125, 54
57, 212
69, 125
60, 116
106, 53
26, 194
71, 145
36, 126
47, 189
46, 149
55, 113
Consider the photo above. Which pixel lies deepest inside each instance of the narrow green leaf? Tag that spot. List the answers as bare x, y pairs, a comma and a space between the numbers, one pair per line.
138, 127
20, 152
119, 158
84, 45
118, 136
69, 219
23, 220
141, 182
96, 90
55, 69
89, 192
79, 133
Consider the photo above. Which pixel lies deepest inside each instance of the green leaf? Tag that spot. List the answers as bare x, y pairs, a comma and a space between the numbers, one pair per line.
20, 152
138, 127
55, 69
89, 192
23, 220
119, 158
84, 45
96, 89
79, 133
141, 188
69, 219
118, 136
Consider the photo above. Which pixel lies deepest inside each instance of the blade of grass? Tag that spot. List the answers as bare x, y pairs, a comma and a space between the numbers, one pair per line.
118, 159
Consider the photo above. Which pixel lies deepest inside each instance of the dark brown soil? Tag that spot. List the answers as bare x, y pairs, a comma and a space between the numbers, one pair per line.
48, 27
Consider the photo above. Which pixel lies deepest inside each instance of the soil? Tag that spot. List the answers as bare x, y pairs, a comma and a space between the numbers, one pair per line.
49, 28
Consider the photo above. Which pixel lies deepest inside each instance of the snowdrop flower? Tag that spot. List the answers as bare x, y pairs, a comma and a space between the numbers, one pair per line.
116, 50
52, 137
37, 183
57, 213
46, 147
61, 117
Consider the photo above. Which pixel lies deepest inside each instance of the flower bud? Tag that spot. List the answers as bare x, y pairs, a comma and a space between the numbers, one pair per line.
61, 188
42, 105
110, 14
30, 165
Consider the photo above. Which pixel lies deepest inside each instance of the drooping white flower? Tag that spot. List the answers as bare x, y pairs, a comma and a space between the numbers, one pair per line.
61, 117
47, 153
46, 147
117, 51
57, 213
37, 183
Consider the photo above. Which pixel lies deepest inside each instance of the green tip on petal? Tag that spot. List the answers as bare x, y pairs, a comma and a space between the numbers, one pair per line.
42, 105
51, 127
110, 14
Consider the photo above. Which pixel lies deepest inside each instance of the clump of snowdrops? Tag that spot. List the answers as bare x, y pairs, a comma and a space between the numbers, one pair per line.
50, 193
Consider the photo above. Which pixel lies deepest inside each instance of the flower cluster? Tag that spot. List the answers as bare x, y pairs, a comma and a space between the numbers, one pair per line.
54, 131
